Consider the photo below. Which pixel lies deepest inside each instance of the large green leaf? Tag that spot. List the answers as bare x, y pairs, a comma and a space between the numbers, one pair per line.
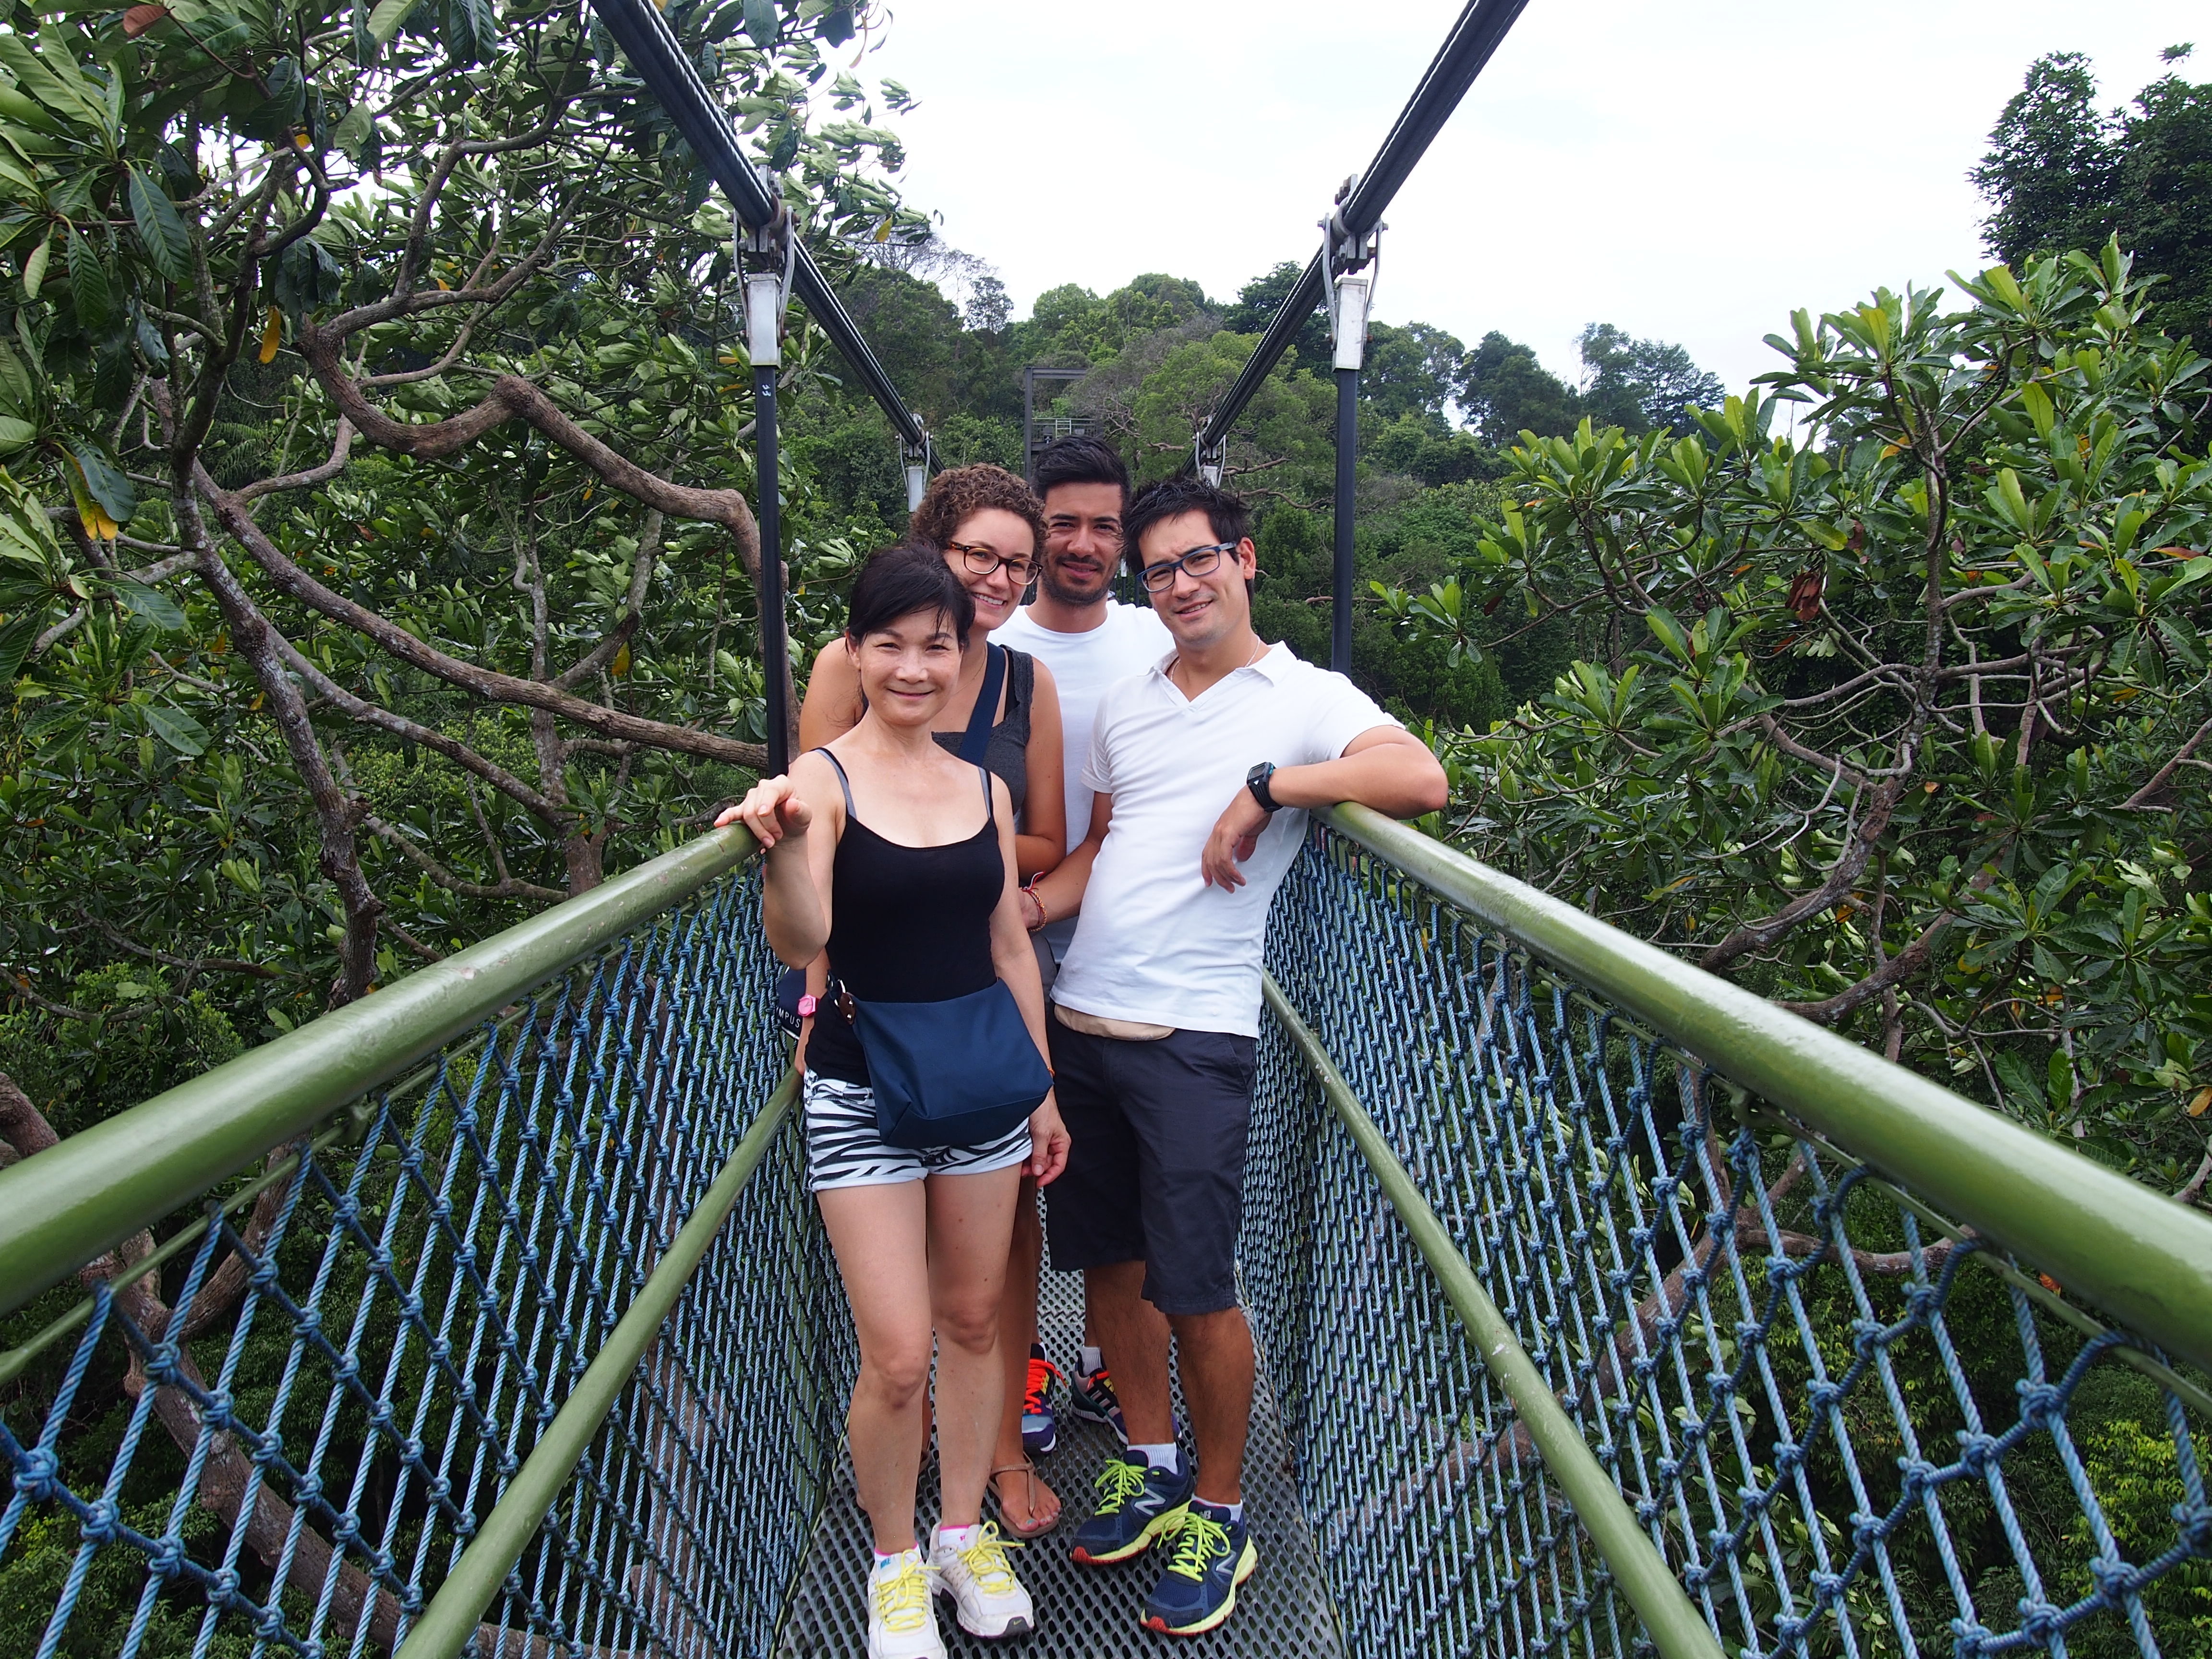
178, 729
385, 19
53, 78
17, 636
34, 268
151, 604
161, 230
15, 433
89, 285
105, 483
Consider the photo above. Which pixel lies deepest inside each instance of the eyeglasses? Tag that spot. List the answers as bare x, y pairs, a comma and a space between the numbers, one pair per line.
1200, 561
982, 560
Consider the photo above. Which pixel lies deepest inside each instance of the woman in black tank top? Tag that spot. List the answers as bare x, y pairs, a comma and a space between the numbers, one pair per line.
898, 858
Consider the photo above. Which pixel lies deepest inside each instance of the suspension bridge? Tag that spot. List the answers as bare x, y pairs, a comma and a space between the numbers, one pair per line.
1604, 1308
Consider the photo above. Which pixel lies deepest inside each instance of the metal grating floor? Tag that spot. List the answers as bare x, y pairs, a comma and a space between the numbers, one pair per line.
1282, 1612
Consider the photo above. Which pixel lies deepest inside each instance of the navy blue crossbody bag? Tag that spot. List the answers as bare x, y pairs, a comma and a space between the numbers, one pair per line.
964, 1071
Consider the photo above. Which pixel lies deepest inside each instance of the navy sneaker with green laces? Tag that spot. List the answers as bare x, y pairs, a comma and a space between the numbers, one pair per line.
1137, 1503
1209, 1557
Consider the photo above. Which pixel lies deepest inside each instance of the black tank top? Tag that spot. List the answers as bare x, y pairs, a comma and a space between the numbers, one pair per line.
906, 924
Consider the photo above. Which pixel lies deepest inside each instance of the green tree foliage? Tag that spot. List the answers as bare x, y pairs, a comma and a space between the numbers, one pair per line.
1642, 385
1069, 325
1896, 718
2060, 174
1505, 392
376, 551
1259, 301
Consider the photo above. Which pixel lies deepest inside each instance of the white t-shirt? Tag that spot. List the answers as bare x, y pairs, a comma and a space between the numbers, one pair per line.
1154, 944
1129, 641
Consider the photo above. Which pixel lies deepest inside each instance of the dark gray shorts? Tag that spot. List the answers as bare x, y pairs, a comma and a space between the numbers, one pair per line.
1156, 1173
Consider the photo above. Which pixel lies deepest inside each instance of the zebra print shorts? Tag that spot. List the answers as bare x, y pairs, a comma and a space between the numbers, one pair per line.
844, 1149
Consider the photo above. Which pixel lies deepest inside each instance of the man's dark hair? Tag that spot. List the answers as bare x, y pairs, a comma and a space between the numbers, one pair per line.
1081, 460
1171, 498
902, 579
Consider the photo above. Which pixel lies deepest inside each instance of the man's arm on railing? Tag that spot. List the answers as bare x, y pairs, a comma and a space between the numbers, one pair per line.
1386, 768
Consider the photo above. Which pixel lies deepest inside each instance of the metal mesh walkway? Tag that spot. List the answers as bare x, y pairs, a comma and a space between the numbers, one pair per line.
1283, 1612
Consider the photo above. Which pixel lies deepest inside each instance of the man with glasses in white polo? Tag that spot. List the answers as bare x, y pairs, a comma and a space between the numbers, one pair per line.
1201, 767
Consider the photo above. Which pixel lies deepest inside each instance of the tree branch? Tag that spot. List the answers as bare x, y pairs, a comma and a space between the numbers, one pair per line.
341, 449
492, 686
2142, 800
511, 888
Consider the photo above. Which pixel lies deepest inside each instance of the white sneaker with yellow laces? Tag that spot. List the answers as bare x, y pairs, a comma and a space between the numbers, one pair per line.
970, 1565
902, 1621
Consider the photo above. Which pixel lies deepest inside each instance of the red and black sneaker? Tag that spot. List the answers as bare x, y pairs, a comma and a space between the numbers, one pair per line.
1040, 1427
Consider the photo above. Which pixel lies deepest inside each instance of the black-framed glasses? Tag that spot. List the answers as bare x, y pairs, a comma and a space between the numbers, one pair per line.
1200, 561
982, 560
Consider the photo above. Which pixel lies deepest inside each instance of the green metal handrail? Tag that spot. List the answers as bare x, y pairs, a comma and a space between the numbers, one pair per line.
451, 1619
2143, 1258
101, 1185
1669, 1616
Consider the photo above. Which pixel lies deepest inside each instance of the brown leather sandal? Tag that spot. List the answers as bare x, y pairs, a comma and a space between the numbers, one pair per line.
1035, 1530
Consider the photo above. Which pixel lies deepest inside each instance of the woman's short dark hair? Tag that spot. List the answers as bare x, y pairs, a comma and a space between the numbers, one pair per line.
902, 579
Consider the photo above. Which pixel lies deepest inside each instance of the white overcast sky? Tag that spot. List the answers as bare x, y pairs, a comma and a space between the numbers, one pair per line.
1690, 171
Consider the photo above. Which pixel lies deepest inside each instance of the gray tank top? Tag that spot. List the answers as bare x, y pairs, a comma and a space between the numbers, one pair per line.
1007, 755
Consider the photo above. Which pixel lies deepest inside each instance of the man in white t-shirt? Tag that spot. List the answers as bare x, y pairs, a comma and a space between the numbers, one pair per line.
1200, 766
1089, 641
1074, 626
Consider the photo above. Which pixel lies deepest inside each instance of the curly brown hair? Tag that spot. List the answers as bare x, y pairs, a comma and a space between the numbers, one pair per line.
957, 495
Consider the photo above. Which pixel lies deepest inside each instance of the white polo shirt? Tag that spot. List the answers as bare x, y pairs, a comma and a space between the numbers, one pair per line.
1153, 943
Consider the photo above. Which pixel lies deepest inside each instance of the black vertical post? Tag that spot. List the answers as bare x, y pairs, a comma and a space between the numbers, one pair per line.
1028, 426
776, 640
1347, 461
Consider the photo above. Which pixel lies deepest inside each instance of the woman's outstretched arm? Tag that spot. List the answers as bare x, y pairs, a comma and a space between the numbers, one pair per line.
799, 838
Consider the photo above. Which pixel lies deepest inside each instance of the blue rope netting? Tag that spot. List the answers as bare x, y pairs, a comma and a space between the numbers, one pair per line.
367, 1358
1848, 1431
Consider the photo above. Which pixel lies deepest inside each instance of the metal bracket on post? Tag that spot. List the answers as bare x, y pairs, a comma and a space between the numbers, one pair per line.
916, 459
766, 256
1351, 260
1351, 263
1211, 460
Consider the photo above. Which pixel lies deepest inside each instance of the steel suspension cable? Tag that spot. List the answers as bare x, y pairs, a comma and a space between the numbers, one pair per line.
1473, 39
653, 52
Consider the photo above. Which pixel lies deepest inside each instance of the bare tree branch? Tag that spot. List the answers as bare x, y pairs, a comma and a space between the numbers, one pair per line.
492, 686
509, 889
2144, 798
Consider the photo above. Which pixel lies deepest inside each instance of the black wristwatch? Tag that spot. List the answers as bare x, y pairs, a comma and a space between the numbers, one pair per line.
1256, 781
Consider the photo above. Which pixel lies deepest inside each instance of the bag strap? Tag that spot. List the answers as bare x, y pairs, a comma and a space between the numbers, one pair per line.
990, 806
977, 737
843, 783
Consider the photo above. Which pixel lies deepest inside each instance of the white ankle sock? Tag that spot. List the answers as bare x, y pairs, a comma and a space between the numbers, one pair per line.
1092, 1360
1167, 1457
958, 1538
1229, 1512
